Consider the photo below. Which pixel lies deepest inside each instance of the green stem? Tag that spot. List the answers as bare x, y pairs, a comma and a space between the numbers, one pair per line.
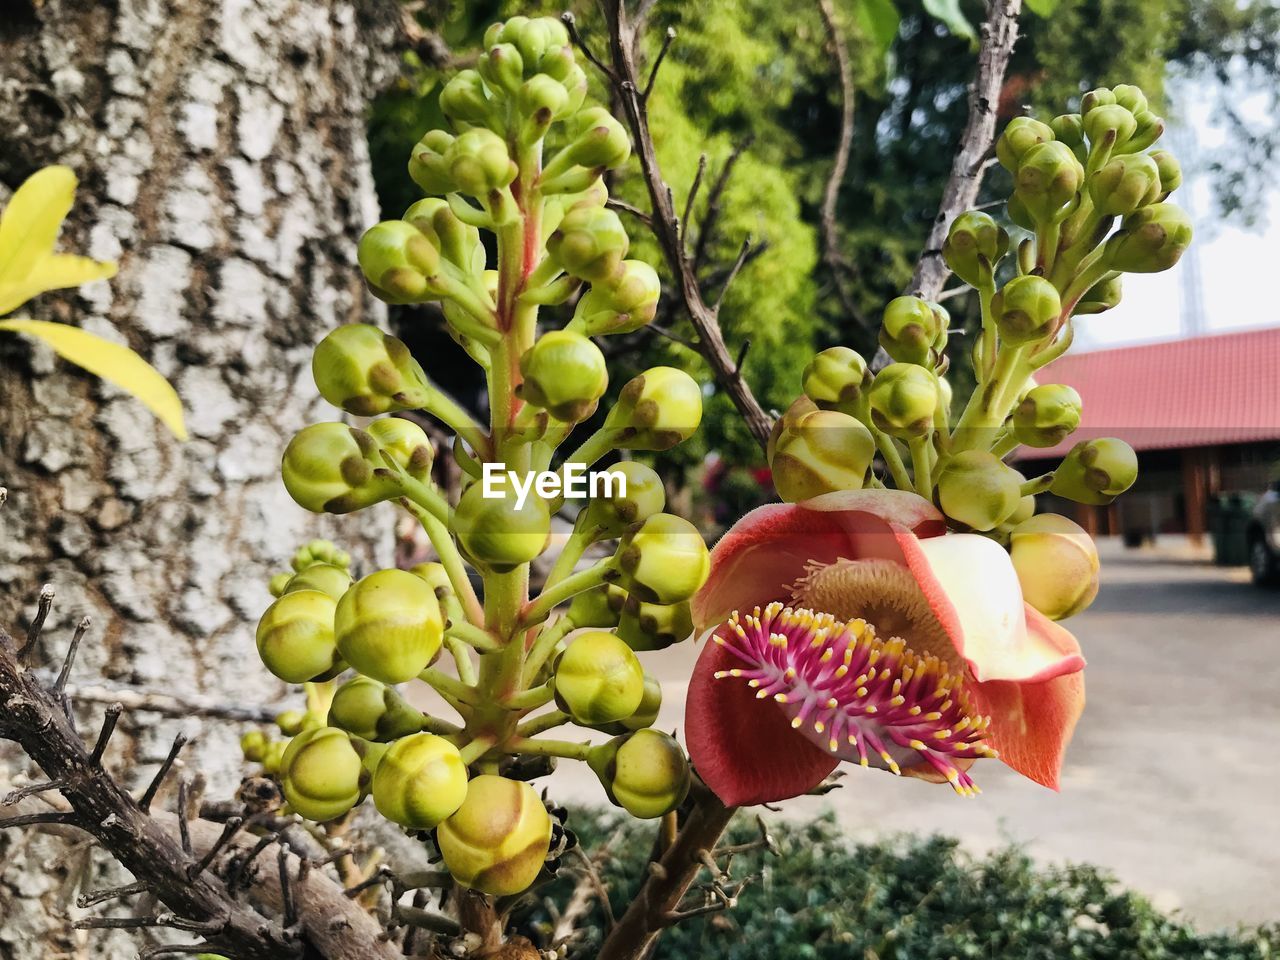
986, 412
530, 699
574, 547
548, 748
438, 533
542, 723
461, 655
544, 646
476, 749
477, 637
441, 728
594, 447
1005, 444
897, 469
989, 341
537, 611
444, 408
1040, 484
448, 686
921, 465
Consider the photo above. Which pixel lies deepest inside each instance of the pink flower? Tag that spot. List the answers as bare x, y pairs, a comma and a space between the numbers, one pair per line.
853, 627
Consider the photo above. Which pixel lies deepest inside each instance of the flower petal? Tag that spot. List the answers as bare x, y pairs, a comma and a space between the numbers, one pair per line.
32, 218
1032, 723
973, 589
768, 549
745, 749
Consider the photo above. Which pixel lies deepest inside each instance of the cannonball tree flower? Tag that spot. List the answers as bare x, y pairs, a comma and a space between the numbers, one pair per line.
853, 627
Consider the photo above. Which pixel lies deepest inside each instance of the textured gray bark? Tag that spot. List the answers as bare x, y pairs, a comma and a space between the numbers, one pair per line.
221, 150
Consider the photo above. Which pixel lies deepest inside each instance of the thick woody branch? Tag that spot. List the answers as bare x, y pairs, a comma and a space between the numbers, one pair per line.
999, 33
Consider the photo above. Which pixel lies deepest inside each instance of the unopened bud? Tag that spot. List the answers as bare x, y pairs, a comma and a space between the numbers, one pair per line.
1057, 565
253, 746
625, 303
565, 374
325, 471
903, 400
837, 379
910, 330
321, 774
1130, 97
465, 98
654, 626
1127, 182
478, 162
497, 533
371, 710
388, 626
657, 409
276, 585
663, 560
1069, 129
974, 245
295, 637
1047, 415
498, 839
1109, 122
406, 443
319, 551
1048, 178
601, 607
1170, 171
400, 262
458, 242
1151, 240
600, 140
420, 781
978, 489
1098, 97
364, 371
598, 678
1021, 134
502, 67
1096, 471
1103, 295
635, 494
1027, 309
646, 772
291, 722
427, 166
589, 243
820, 452
324, 577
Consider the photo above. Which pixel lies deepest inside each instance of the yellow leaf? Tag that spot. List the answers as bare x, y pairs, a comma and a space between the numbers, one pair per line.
111, 362
30, 223
53, 273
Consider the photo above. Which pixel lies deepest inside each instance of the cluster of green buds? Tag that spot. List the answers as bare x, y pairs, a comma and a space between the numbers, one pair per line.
1090, 202
522, 159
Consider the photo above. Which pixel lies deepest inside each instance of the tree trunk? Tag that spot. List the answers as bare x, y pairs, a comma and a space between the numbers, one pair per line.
221, 150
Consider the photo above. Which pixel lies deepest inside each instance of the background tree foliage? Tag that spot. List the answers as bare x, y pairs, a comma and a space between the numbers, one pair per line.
758, 79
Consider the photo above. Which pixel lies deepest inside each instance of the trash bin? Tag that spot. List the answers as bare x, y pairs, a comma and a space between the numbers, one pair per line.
1228, 527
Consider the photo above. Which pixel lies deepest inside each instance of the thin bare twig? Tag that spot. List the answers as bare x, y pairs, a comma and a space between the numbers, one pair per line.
169, 706
707, 229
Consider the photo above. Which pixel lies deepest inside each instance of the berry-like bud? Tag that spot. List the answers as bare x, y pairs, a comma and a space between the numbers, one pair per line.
565, 374
295, 637
654, 626
253, 746
598, 679
974, 245
273, 756
837, 379
1150, 240
388, 626
319, 551
1057, 565
657, 409
458, 242
1127, 182
364, 371
646, 773
643, 497
325, 471
502, 67
1027, 309
589, 243
903, 400
406, 443
478, 162
498, 840
1170, 171
1149, 130
1096, 471
1021, 134
1109, 121
420, 781
292, 722
400, 262
910, 330
495, 532
321, 774
1103, 295
599, 140
663, 560
1048, 178
537, 39
371, 710
819, 452
1130, 97
276, 585
601, 607
1098, 97
1047, 415
1069, 129
626, 303
427, 166
465, 98
324, 577
979, 489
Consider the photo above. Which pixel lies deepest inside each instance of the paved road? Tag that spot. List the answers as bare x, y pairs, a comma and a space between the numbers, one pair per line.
1172, 781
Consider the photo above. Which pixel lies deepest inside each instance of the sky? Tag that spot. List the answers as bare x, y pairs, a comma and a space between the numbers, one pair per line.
1231, 261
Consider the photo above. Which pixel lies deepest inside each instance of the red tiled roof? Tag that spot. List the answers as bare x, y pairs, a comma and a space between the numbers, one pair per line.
1184, 393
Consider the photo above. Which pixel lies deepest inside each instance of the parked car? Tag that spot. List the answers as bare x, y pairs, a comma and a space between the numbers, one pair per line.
1264, 538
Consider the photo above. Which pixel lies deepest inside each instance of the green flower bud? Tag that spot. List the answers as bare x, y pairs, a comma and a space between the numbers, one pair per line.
646, 773
646, 714
420, 781
1057, 565
406, 443
542, 99
600, 140
653, 626
836, 379
502, 67
909, 330
1149, 129
1021, 134
458, 242
498, 840
978, 489
388, 625
663, 560
319, 551
565, 374
597, 608
465, 98
626, 303
1048, 178
321, 773
1019, 214
1170, 171
1124, 184
1096, 471
295, 637
400, 262
903, 399
1109, 121
820, 452
364, 371
1027, 309
1150, 240
1069, 128
371, 710
598, 679
1130, 97
478, 162
536, 38
1047, 415
1098, 97
291, 722
974, 245
644, 496
325, 471
253, 745
1103, 295
324, 577
657, 409
495, 532
589, 243
272, 756
427, 166
277, 584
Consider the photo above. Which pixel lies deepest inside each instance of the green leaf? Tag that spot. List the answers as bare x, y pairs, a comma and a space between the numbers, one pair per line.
878, 20
948, 11
1042, 8
112, 362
